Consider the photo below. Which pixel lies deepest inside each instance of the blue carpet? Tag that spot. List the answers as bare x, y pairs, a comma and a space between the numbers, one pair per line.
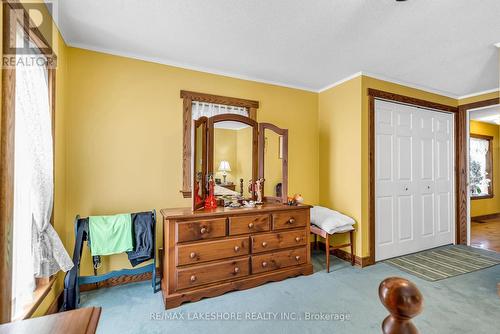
463, 304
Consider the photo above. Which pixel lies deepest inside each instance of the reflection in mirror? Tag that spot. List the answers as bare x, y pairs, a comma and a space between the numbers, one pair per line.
273, 157
273, 162
199, 160
199, 164
232, 160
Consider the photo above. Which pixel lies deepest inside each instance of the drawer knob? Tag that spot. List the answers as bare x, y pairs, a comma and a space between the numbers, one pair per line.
297, 258
204, 230
193, 278
250, 225
264, 244
264, 264
291, 221
192, 255
236, 270
297, 239
236, 248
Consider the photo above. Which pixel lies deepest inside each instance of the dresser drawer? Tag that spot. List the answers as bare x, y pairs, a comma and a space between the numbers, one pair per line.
209, 273
248, 224
277, 240
201, 229
290, 219
278, 260
212, 250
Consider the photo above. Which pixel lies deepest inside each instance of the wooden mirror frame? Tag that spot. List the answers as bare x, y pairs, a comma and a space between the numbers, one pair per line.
201, 122
284, 165
188, 97
234, 118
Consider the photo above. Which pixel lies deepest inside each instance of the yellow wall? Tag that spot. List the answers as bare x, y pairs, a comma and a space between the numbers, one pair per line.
340, 152
124, 133
487, 206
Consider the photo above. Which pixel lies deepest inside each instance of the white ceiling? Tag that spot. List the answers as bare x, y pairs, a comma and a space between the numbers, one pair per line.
487, 115
445, 46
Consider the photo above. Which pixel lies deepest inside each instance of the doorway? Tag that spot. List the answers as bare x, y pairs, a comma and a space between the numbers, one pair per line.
483, 162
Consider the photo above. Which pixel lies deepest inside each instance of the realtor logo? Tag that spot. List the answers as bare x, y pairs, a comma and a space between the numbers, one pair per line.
28, 26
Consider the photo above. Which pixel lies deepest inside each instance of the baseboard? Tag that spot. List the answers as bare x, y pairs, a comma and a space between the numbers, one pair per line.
480, 219
343, 255
120, 280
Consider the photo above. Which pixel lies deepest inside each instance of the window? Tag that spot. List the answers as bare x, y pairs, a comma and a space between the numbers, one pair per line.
481, 166
30, 249
196, 105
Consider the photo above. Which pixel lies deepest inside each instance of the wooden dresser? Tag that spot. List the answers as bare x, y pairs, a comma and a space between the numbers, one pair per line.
210, 252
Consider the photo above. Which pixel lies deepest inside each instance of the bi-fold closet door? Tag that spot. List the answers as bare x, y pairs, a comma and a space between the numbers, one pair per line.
414, 179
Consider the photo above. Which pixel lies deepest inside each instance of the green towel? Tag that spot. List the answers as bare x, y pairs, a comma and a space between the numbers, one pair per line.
110, 234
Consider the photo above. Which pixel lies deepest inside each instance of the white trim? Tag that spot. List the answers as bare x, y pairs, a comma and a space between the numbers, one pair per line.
410, 85
271, 82
341, 81
479, 93
394, 81
169, 62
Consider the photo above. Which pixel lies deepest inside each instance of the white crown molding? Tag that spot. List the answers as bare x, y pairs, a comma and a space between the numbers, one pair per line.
274, 83
341, 81
391, 80
168, 62
479, 93
410, 85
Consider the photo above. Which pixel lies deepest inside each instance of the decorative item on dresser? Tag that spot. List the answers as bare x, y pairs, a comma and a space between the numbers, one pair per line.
211, 252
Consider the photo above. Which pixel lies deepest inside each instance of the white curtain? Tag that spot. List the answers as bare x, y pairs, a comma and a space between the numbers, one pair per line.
199, 109
37, 249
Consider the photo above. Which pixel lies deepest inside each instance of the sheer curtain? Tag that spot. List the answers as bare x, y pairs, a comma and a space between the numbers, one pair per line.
37, 249
199, 109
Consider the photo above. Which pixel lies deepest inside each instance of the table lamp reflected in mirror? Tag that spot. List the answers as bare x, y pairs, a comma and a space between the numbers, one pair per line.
224, 167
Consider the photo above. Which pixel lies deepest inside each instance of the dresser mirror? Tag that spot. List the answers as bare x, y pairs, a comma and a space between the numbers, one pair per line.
273, 162
199, 145
232, 156
235, 151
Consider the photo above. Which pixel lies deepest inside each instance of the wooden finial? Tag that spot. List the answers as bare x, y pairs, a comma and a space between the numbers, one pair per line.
404, 301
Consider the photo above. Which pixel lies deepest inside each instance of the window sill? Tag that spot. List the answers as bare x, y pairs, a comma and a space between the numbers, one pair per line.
472, 198
43, 287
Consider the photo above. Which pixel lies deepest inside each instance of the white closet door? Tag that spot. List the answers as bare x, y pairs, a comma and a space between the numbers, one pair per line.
413, 179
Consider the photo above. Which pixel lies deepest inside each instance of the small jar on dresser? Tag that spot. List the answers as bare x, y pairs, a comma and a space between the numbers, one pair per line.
210, 252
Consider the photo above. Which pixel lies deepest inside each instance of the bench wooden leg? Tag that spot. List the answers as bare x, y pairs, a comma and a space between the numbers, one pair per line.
351, 240
327, 249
